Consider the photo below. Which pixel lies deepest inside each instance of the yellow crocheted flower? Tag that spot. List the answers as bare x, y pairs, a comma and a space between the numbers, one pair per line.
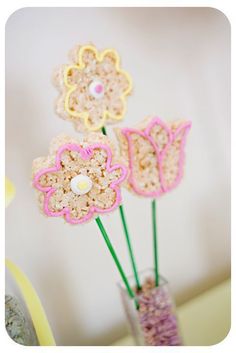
93, 89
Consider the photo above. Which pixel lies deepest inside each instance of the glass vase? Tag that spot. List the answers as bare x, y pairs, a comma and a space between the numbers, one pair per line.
152, 314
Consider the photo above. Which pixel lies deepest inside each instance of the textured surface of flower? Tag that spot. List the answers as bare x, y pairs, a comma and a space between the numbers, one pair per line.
154, 152
78, 180
93, 89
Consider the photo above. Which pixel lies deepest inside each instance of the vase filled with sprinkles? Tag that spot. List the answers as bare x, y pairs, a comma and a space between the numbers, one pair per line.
154, 322
81, 179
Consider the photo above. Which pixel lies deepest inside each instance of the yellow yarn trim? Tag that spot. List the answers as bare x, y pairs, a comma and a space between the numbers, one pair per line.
80, 66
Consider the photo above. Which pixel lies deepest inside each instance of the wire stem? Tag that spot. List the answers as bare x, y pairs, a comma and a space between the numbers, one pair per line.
115, 258
155, 244
131, 254
125, 227
104, 130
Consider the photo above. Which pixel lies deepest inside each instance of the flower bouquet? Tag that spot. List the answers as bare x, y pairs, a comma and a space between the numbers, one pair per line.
81, 179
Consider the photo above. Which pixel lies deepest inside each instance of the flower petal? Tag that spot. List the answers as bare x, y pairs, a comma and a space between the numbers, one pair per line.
159, 132
116, 108
114, 78
110, 60
48, 180
104, 199
84, 108
72, 75
73, 206
78, 102
144, 176
95, 119
88, 56
173, 159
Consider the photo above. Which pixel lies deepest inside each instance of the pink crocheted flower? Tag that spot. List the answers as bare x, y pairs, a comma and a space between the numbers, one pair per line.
155, 155
77, 180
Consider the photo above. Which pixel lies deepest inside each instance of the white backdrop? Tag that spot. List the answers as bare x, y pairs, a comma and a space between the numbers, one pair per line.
180, 63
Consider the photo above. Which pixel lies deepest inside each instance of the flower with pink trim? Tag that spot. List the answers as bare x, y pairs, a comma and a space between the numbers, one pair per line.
78, 180
154, 153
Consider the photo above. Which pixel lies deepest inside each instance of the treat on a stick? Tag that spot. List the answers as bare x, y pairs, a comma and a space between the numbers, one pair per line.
93, 88
154, 152
78, 180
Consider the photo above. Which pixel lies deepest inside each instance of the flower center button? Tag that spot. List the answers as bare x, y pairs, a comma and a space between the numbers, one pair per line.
81, 184
96, 89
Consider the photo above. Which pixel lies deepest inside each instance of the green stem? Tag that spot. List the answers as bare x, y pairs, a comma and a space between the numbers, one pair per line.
131, 254
128, 240
125, 227
104, 130
115, 258
155, 244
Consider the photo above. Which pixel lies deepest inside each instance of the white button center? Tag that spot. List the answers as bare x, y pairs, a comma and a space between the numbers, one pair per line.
81, 184
96, 89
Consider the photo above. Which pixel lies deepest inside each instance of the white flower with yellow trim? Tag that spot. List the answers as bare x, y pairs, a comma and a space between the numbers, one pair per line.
93, 89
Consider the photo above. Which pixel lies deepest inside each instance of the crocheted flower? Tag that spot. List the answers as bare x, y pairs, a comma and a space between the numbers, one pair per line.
93, 89
155, 155
78, 180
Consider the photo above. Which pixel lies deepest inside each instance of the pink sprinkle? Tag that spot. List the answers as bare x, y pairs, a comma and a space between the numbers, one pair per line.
99, 88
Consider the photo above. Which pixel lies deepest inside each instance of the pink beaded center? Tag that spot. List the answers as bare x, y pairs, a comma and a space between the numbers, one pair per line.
99, 88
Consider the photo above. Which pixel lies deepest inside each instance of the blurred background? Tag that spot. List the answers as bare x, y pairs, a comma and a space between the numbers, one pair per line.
179, 59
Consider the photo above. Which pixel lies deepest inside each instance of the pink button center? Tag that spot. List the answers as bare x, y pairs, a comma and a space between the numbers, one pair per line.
99, 88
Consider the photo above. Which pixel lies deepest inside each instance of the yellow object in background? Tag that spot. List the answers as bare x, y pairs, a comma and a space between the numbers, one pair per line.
10, 192
33, 303
206, 319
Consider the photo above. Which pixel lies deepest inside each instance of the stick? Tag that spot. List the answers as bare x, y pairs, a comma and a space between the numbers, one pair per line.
125, 227
155, 246
131, 254
115, 258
